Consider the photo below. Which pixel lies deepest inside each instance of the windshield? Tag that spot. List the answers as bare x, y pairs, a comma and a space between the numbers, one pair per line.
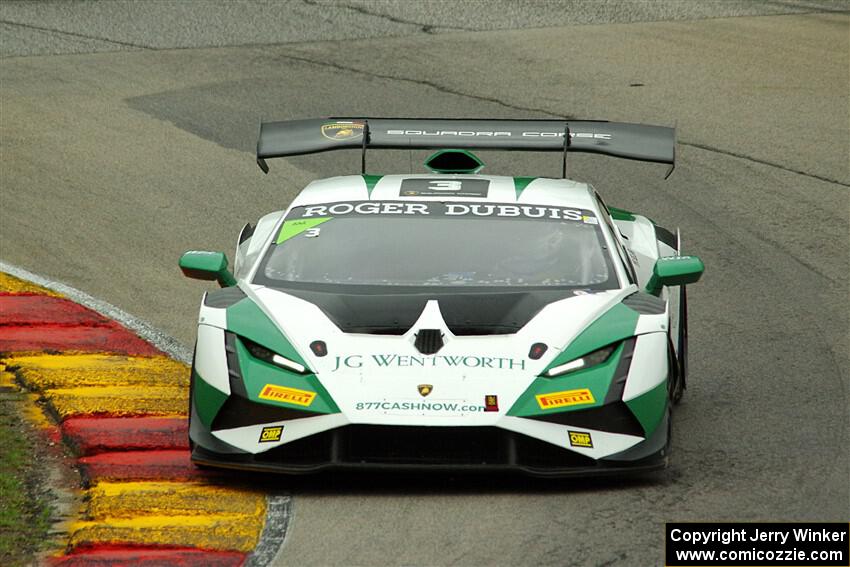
439, 244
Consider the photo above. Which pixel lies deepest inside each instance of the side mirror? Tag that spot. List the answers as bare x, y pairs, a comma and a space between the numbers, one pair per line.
674, 270
208, 266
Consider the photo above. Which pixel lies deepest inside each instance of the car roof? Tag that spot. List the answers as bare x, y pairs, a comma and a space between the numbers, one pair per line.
494, 189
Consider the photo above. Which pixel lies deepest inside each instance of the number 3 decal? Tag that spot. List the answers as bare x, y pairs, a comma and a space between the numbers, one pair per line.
445, 185
312, 232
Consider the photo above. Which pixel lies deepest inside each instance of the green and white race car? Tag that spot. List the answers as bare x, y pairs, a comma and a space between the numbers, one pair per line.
448, 319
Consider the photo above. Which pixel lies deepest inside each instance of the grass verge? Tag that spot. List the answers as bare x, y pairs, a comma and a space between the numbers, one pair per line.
24, 510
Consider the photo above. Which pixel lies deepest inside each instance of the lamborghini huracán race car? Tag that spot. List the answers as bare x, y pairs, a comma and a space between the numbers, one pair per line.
448, 319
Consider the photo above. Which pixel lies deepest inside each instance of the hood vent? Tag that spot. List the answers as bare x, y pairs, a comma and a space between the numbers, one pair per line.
429, 341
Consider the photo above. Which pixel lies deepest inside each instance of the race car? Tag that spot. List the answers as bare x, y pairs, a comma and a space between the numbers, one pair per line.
444, 320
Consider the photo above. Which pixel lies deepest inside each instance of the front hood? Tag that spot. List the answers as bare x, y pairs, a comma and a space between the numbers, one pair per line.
554, 323
394, 312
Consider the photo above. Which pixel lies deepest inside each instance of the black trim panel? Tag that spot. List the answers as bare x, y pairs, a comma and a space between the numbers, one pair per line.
240, 412
234, 371
618, 382
645, 304
613, 418
222, 298
665, 236
656, 444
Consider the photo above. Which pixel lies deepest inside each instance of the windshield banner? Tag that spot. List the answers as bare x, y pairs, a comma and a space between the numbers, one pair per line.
441, 209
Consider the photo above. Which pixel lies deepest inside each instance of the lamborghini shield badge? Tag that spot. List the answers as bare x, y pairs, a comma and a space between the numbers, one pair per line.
424, 389
342, 130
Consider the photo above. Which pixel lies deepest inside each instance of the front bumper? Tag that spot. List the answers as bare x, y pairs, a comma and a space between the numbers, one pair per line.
229, 432
437, 449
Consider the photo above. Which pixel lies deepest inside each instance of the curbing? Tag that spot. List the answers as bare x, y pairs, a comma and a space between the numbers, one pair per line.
160, 340
120, 403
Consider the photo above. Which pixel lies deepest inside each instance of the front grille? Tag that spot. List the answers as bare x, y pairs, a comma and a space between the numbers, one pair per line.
417, 446
423, 445
429, 341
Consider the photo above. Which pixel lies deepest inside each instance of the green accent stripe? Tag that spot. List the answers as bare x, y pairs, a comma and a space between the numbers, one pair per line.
247, 320
624, 215
649, 407
621, 214
371, 181
597, 379
520, 183
257, 373
616, 324
296, 227
208, 400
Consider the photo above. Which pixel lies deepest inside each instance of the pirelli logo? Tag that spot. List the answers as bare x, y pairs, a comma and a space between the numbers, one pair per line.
287, 395
565, 398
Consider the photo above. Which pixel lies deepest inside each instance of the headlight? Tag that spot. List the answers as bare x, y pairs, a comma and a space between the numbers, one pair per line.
264, 354
591, 359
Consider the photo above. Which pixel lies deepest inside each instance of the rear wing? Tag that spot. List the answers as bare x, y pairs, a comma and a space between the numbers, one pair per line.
630, 141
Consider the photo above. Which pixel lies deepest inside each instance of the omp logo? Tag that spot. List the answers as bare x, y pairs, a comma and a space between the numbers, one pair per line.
287, 395
565, 398
270, 434
580, 439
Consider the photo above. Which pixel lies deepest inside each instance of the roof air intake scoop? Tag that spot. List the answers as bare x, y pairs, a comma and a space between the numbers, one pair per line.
429, 341
454, 161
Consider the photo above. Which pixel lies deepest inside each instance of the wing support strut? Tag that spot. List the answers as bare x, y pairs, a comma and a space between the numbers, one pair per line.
566, 145
363, 147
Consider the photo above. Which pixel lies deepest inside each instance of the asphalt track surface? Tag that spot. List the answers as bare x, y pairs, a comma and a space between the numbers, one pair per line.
127, 133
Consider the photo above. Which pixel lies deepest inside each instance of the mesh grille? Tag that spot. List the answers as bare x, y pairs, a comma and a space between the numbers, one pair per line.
429, 341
